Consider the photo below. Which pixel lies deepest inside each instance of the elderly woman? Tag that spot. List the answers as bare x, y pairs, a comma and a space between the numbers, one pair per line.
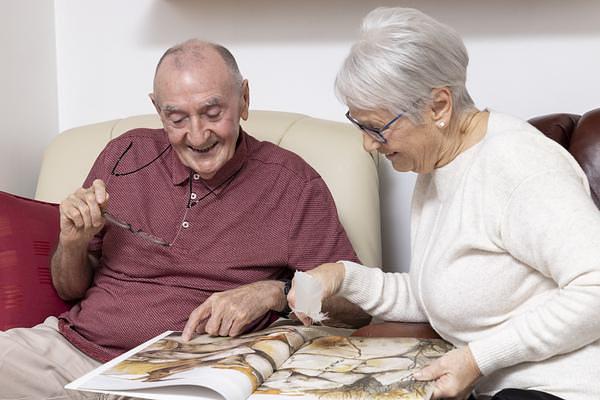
505, 237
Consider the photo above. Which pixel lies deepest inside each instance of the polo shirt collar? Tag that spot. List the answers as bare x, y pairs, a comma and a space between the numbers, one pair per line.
181, 173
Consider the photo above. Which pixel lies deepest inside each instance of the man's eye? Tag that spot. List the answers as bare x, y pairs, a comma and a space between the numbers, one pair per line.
178, 121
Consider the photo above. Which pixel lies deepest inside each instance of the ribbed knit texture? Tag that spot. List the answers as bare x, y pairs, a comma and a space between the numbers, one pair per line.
506, 260
265, 213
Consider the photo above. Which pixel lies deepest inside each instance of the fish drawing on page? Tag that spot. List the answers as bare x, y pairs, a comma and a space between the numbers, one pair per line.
344, 368
254, 355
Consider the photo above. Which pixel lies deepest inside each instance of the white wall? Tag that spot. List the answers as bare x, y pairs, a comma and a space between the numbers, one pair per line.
28, 100
527, 58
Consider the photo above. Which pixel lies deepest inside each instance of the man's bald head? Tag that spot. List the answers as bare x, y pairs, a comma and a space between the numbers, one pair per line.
200, 97
194, 53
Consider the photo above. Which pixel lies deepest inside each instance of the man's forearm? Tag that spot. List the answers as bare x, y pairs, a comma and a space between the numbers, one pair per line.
72, 270
342, 313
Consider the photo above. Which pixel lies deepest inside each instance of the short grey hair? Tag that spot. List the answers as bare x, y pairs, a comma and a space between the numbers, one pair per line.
195, 48
400, 56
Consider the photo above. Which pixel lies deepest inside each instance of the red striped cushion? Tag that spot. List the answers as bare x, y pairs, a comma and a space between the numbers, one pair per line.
28, 235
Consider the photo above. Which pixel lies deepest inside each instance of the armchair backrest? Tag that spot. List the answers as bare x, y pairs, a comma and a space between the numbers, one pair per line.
334, 149
580, 135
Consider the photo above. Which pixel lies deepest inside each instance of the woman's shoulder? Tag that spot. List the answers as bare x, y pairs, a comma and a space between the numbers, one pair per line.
513, 149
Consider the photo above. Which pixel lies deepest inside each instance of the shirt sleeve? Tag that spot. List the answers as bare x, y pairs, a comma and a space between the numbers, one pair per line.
551, 225
384, 295
316, 235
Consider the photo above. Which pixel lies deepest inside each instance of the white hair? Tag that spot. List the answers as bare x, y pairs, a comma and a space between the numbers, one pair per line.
400, 56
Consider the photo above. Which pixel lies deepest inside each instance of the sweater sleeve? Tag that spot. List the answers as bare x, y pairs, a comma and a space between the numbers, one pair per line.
384, 295
551, 225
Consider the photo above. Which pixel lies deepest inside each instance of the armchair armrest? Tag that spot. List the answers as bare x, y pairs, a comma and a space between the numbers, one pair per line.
398, 329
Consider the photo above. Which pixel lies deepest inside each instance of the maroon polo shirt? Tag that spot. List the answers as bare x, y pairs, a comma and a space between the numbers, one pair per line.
265, 213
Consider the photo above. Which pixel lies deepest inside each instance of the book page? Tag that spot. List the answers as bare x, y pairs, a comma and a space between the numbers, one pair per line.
231, 368
346, 368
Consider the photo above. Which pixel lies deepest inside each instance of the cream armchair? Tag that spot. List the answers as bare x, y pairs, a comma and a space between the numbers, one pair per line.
334, 149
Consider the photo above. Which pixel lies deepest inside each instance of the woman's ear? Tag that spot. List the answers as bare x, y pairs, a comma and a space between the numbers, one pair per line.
441, 106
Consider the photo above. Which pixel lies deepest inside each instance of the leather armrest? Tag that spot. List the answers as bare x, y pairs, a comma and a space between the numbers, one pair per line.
398, 329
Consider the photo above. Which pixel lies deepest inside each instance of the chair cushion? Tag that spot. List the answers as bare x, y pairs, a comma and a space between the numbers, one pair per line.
28, 235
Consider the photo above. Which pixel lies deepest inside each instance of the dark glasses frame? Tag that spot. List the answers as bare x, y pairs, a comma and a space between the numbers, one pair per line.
126, 225
375, 133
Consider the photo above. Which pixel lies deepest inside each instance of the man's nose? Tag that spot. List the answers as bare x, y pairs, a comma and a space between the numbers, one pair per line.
197, 131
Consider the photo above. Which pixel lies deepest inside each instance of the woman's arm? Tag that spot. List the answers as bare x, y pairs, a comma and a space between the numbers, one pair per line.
550, 224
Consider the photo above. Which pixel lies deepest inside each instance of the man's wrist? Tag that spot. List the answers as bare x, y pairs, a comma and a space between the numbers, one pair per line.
285, 310
72, 243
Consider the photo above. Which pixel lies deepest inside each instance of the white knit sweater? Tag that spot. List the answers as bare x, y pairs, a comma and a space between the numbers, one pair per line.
506, 259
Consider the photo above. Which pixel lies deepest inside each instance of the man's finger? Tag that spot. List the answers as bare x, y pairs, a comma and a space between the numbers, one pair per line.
200, 328
94, 209
213, 324
199, 314
226, 327
84, 211
99, 189
236, 329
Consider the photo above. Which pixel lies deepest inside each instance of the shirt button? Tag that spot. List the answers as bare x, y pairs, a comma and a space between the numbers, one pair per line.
193, 196
196, 177
185, 224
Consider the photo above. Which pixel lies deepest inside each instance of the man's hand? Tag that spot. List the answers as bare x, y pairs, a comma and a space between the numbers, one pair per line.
455, 374
81, 213
330, 275
80, 219
228, 313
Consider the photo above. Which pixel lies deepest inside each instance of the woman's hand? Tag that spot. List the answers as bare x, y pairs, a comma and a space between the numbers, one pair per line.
455, 374
330, 276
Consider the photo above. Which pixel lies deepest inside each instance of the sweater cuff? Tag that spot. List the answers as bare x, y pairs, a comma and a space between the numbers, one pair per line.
356, 278
497, 351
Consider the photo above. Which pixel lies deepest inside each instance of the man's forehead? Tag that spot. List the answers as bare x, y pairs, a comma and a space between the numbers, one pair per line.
196, 77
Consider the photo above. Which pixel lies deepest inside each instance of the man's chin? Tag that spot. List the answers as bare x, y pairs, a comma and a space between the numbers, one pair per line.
205, 173
206, 167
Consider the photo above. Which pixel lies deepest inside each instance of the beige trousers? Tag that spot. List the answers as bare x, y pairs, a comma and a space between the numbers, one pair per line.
36, 363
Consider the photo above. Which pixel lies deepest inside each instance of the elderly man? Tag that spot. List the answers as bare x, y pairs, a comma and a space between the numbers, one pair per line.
195, 226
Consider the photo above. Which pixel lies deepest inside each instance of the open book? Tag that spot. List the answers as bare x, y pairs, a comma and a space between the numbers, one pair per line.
276, 363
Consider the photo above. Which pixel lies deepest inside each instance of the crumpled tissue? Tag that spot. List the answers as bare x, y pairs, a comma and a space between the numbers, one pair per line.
308, 296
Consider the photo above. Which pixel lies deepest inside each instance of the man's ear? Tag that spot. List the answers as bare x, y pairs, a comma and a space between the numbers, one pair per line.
441, 106
245, 101
154, 102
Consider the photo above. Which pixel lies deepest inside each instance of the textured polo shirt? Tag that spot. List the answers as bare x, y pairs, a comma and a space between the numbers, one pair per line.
265, 213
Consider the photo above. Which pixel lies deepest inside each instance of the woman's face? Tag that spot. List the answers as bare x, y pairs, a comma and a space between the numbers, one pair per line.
409, 147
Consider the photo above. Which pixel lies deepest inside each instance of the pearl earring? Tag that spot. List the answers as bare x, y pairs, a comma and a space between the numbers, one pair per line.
441, 124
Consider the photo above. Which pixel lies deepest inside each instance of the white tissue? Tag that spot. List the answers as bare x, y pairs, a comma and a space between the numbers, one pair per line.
308, 296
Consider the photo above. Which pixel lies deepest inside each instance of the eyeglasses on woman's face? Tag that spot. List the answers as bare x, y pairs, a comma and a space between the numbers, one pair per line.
375, 133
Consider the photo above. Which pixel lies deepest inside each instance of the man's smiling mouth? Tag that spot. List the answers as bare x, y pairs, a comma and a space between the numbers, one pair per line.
203, 149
